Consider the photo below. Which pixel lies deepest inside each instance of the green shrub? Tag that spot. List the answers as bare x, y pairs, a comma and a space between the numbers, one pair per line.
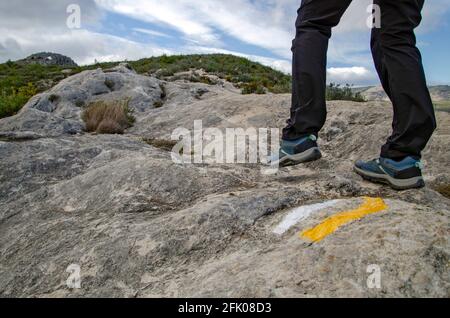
337, 92
10, 64
252, 88
207, 80
260, 90
12, 100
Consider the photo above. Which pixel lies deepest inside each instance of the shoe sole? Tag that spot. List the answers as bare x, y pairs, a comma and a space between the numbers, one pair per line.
309, 155
396, 184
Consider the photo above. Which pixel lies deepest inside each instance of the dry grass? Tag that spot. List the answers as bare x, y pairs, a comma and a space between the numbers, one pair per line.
163, 144
444, 189
443, 106
111, 117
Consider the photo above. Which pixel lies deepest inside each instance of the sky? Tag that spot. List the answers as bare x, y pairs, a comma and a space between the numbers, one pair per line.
113, 30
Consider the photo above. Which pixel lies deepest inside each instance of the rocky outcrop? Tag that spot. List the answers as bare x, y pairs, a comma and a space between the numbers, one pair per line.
139, 225
46, 59
58, 110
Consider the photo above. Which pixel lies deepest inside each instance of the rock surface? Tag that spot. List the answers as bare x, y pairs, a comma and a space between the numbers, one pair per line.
139, 225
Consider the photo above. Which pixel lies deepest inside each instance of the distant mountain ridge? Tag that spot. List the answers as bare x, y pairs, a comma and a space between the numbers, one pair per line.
438, 93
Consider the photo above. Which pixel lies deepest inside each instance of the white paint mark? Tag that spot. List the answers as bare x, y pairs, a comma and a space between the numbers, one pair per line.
301, 213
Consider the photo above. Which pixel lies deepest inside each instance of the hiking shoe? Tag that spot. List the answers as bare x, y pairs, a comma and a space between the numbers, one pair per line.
403, 175
298, 151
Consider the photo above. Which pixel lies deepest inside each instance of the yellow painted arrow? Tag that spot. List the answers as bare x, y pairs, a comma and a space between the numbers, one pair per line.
331, 224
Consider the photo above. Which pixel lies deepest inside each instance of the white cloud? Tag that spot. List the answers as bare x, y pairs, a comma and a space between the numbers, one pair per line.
268, 24
85, 47
205, 21
350, 75
151, 32
175, 14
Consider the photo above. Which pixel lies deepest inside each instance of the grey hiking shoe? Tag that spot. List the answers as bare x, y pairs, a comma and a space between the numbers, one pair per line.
403, 175
297, 151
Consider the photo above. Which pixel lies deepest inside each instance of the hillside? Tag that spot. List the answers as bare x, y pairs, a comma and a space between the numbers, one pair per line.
440, 95
249, 76
20, 80
138, 224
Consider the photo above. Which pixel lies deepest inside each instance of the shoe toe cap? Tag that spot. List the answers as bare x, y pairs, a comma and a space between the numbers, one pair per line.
359, 164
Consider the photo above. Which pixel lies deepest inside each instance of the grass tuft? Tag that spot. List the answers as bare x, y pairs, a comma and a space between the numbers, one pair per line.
444, 190
163, 144
108, 117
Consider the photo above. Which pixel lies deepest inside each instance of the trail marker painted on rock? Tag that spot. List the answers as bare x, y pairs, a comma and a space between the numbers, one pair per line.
300, 214
331, 224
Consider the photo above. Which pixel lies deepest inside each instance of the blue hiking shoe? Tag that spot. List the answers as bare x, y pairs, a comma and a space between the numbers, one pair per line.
298, 151
403, 175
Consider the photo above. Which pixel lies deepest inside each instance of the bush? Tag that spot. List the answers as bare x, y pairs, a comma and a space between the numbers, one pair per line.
10, 64
109, 126
108, 117
252, 88
12, 100
336, 92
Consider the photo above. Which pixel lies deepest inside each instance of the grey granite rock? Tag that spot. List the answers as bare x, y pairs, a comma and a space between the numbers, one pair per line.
140, 225
58, 111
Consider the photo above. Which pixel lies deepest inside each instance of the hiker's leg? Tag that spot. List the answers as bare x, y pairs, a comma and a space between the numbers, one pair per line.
399, 65
315, 20
377, 54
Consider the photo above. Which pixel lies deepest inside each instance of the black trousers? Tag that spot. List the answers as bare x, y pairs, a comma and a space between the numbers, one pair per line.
397, 61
